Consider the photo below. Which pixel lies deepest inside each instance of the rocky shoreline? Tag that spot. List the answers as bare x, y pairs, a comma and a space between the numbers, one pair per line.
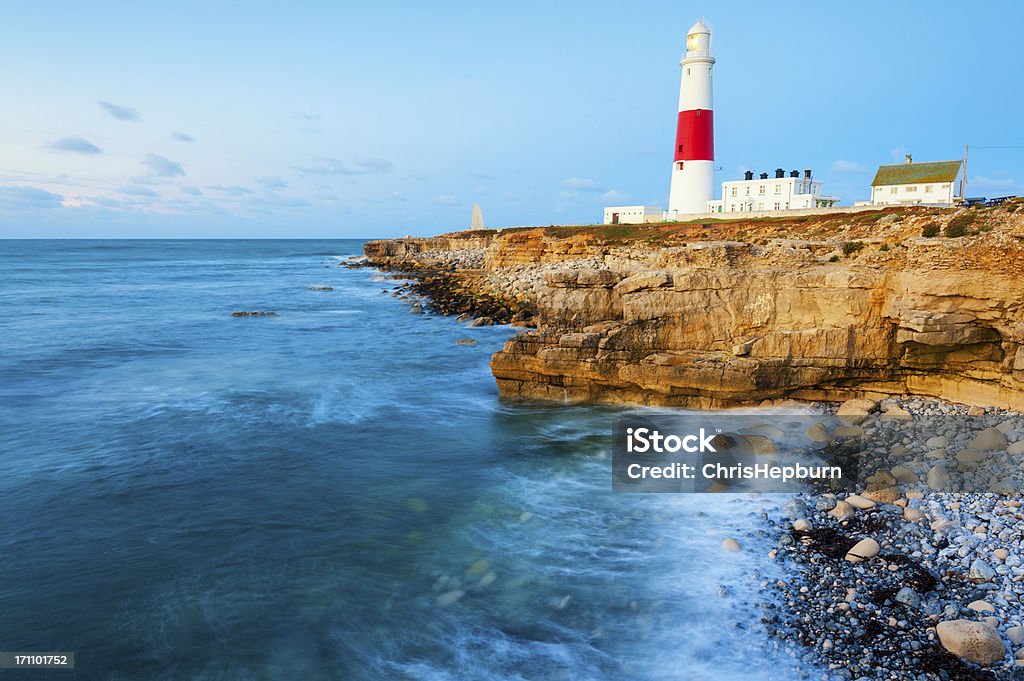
730, 314
921, 574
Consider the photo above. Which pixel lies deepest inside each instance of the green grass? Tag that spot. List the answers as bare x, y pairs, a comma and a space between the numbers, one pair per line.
958, 226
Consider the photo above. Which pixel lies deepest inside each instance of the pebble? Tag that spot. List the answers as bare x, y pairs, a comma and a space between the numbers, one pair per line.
730, 544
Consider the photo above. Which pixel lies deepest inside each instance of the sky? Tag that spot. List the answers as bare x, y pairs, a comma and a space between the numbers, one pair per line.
364, 119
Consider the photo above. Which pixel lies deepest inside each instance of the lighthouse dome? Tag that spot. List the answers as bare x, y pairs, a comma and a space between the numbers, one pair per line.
698, 27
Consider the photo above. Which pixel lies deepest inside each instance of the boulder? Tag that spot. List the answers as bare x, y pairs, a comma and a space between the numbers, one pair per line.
989, 439
819, 433
863, 550
912, 515
730, 544
856, 410
860, 502
841, 511
1015, 634
973, 641
981, 606
938, 478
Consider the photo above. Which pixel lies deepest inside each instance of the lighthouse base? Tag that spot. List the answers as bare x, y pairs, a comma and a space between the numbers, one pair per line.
691, 189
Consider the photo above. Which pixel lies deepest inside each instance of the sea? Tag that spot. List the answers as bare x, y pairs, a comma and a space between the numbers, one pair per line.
333, 492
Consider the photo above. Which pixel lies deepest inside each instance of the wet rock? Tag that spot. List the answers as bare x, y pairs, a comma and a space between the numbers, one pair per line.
730, 544
256, 313
482, 321
320, 288
466, 341
450, 597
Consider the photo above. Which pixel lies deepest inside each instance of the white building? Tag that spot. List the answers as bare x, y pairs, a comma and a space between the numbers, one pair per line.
909, 183
782, 192
631, 215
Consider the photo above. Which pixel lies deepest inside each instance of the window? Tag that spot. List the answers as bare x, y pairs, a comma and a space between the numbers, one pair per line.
912, 188
679, 165
927, 189
733, 191
760, 190
748, 191
778, 189
776, 204
687, 71
893, 190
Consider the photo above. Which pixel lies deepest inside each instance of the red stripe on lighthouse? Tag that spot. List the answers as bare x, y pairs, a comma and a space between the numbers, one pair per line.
695, 136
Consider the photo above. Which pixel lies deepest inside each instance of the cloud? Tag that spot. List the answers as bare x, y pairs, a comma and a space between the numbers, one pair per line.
990, 184
303, 116
333, 166
121, 113
898, 154
566, 195
842, 166
77, 145
445, 200
583, 184
162, 166
191, 191
137, 190
374, 165
179, 136
271, 183
25, 198
614, 196
230, 190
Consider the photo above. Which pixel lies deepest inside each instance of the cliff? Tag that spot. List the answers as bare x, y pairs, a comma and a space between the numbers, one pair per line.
730, 313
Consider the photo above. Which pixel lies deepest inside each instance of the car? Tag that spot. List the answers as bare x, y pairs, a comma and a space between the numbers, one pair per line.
973, 201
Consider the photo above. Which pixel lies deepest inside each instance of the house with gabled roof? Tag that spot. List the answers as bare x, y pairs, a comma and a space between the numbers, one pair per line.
905, 184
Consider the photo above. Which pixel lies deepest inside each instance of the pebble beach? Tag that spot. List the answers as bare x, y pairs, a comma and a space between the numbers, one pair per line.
919, 576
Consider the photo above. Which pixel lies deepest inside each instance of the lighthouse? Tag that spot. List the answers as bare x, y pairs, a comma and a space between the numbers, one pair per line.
693, 164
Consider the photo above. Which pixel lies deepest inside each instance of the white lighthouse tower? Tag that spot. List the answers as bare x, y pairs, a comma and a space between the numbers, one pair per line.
693, 165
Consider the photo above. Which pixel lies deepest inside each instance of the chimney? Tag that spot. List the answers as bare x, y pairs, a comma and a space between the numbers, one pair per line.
764, 176
794, 173
779, 172
807, 174
910, 159
749, 175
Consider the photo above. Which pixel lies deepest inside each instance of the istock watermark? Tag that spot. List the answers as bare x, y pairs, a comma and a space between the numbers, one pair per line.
731, 452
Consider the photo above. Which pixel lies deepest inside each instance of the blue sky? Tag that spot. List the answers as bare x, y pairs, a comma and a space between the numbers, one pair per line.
326, 119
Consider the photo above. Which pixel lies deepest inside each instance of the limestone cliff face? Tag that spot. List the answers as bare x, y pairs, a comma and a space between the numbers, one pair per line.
721, 323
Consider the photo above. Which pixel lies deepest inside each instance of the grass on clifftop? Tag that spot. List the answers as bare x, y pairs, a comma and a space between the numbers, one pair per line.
893, 224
